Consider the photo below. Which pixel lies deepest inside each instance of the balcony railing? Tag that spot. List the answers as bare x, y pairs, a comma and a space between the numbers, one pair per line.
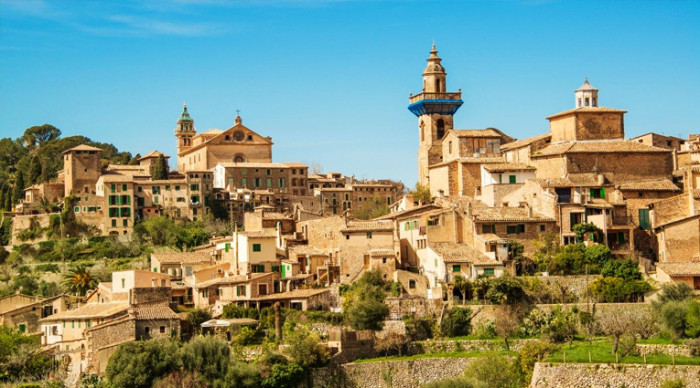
434, 96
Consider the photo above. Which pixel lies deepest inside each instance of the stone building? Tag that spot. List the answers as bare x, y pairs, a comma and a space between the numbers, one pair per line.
202, 152
23, 312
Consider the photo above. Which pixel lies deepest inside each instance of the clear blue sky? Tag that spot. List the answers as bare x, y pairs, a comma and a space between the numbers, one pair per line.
329, 80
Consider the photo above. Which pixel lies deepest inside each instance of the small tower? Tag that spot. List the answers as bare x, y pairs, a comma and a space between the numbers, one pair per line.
586, 95
434, 108
184, 132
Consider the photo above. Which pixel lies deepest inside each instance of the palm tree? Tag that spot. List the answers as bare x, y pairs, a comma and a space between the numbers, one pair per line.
79, 281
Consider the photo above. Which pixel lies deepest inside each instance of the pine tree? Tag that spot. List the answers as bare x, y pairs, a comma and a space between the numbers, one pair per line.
19, 187
35, 170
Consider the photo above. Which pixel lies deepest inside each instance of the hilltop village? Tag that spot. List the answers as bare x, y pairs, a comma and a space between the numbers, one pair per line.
487, 206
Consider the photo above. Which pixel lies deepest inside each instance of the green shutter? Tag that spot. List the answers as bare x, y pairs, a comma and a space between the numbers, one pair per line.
602, 192
592, 193
511, 179
644, 219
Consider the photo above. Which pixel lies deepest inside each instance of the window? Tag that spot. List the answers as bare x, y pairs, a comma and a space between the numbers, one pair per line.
155, 189
194, 187
240, 291
511, 179
598, 193
488, 228
76, 209
114, 223
488, 271
125, 222
256, 248
280, 182
113, 187
258, 268
124, 187
369, 234
515, 229
268, 172
162, 330
411, 284
644, 219
542, 228
123, 283
177, 188
456, 268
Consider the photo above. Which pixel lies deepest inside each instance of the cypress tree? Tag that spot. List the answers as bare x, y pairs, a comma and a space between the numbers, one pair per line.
160, 170
34, 170
19, 187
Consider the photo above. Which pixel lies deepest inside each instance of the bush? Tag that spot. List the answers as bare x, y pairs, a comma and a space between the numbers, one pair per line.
47, 268
531, 353
674, 383
495, 371
206, 356
137, 364
457, 322
306, 349
418, 329
673, 315
364, 307
21, 356
196, 317
692, 319
507, 290
284, 376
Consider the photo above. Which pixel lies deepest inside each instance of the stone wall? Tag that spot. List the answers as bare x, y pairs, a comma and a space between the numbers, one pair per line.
413, 305
20, 223
448, 346
394, 374
605, 375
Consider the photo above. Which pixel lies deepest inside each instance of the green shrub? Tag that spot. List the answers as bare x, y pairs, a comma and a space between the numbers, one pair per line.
47, 268
456, 322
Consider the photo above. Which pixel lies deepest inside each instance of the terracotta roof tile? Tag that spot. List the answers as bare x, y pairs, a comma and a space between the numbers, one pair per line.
488, 132
649, 185
525, 142
83, 147
150, 311
504, 167
460, 253
90, 310
680, 269
295, 294
507, 214
587, 109
601, 146
181, 257
368, 226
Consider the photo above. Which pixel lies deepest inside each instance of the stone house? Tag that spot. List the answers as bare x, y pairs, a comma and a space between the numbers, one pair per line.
23, 312
499, 180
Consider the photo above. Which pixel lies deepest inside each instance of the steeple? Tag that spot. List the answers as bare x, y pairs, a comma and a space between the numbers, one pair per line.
184, 132
434, 107
238, 119
586, 95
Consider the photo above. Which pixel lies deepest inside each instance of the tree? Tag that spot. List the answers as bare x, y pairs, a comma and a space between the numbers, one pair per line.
562, 327
464, 287
196, 317
305, 348
159, 230
21, 356
625, 321
693, 320
208, 357
78, 280
508, 320
160, 170
192, 235
624, 269
137, 364
35, 170
586, 227
673, 315
364, 307
40, 135
18, 192
456, 322
507, 290
372, 208
674, 292
546, 247
421, 193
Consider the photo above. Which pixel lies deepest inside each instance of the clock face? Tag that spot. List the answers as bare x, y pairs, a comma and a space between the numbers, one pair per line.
238, 135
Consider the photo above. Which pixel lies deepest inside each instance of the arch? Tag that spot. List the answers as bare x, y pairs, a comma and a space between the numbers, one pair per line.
422, 131
437, 85
440, 124
239, 158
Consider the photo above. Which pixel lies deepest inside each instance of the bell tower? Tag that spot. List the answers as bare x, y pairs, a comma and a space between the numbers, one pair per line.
434, 107
184, 132
586, 95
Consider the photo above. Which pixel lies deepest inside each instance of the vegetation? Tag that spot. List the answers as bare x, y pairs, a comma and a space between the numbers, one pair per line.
371, 208
621, 282
421, 193
364, 307
21, 357
456, 322
79, 281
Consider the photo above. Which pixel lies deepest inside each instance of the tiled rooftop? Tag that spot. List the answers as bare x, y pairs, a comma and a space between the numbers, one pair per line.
649, 185
598, 147
587, 109
182, 257
369, 226
507, 214
460, 253
150, 311
680, 269
505, 167
524, 142
90, 310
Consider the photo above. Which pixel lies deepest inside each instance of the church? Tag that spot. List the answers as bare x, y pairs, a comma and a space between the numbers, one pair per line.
202, 152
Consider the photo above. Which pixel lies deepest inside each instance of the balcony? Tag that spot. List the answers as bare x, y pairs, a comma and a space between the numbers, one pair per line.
429, 103
434, 96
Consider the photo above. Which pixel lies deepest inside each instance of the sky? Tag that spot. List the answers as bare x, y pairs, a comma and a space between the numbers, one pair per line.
329, 80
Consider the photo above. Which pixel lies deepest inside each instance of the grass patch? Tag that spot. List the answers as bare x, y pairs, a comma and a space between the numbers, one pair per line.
601, 352
473, 353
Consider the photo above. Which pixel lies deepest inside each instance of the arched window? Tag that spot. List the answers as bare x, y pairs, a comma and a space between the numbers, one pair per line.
449, 147
440, 128
437, 85
422, 131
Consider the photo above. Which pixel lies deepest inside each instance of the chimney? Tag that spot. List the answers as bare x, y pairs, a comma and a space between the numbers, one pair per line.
529, 210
